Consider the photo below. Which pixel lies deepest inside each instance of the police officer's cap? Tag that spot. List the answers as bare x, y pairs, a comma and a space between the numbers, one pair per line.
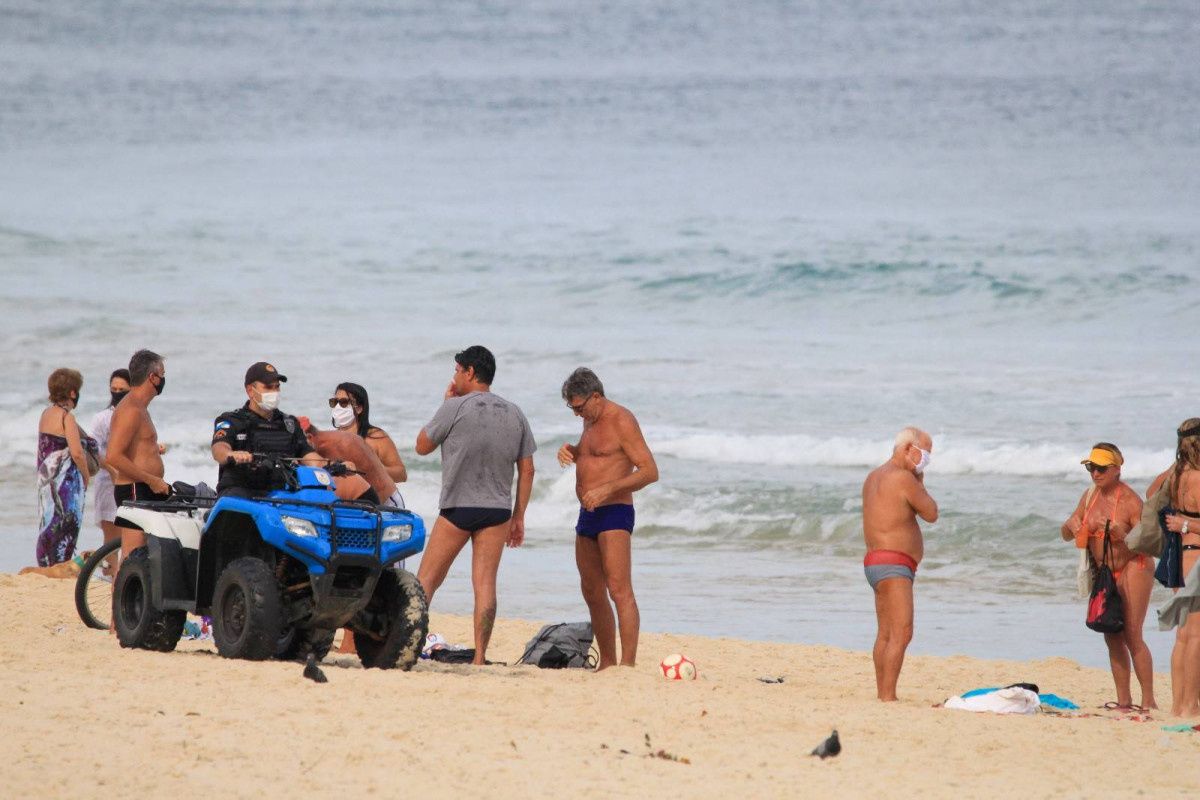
263, 372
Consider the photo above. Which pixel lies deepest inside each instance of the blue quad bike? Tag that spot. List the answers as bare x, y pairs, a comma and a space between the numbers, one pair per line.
278, 574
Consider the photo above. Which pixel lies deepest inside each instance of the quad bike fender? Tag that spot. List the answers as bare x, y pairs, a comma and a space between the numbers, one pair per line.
174, 569
183, 528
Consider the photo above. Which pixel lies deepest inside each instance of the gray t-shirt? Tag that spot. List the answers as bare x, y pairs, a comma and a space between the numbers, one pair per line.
482, 436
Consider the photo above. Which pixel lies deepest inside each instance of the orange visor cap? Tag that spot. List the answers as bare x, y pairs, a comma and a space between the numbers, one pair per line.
1103, 458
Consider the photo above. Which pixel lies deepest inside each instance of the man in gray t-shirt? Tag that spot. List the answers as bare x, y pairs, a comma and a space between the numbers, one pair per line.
482, 437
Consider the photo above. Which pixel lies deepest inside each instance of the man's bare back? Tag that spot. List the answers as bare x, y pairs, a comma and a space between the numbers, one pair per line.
350, 447
892, 497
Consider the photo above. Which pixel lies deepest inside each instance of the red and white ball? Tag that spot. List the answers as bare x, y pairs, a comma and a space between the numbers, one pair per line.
678, 667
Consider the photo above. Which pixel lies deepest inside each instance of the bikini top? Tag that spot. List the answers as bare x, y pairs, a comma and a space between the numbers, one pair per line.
1085, 534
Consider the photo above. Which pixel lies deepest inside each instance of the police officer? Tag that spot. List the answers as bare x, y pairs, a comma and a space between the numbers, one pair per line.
257, 427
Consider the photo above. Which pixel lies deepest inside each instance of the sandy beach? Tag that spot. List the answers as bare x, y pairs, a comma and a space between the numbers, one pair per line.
84, 718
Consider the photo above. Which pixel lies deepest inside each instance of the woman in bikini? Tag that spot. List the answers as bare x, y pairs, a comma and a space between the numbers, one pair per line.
1183, 517
1112, 507
352, 412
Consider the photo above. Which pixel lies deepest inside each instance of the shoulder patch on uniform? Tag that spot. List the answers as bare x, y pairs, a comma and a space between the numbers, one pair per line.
220, 434
223, 424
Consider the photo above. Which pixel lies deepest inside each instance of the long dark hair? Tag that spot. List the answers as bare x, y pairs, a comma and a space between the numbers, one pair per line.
362, 401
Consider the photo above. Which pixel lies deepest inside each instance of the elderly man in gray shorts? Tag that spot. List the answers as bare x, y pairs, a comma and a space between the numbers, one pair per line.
482, 437
893, 497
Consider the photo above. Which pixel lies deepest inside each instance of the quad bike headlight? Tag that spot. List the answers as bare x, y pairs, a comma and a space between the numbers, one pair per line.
299, 527
397, 533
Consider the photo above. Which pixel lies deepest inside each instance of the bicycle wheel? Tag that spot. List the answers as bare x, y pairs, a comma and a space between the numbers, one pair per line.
93, 588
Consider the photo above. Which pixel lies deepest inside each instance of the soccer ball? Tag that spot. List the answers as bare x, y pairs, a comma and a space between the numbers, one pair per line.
678, 667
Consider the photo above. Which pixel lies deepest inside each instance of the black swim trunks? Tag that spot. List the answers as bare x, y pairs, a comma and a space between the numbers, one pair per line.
471, 519
140, 492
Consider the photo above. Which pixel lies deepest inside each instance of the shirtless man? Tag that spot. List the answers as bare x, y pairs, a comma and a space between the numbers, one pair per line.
893, 497
352, 450
611, 462
133, 442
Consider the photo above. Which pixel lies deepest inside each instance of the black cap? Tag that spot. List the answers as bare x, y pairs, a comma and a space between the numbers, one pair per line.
263, 372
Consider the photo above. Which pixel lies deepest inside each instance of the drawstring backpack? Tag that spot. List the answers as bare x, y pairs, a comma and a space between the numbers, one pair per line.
1105, 610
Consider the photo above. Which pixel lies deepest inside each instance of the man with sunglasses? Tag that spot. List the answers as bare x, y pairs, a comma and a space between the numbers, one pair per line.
482, 437
257, 427
612, 461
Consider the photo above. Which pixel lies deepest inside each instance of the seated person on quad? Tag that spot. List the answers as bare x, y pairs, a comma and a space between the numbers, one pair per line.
356, 454
257, 427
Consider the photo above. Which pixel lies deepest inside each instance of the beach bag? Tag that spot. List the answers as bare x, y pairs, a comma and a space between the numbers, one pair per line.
566, 645
1170, 564
1085, 574
1147, 537
91, 451
1105, 610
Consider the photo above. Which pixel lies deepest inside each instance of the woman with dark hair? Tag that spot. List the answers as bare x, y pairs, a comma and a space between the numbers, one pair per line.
352, 412
102, 488
1183, 518
62, 457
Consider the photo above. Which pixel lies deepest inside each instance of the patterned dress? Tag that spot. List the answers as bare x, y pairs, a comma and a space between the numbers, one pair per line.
60, 498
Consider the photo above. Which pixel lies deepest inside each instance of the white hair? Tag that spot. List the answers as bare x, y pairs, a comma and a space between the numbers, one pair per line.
910, 435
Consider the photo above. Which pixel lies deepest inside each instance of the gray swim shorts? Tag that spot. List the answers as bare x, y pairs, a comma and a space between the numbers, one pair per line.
878, 572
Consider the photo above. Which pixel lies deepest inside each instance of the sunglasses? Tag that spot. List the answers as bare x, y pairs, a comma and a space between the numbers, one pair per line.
340, 401
1095, 468
579, 407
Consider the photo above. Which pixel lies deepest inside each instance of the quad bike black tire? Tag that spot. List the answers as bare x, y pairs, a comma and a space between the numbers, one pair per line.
139, 624
394, 624
247, 614
93, 594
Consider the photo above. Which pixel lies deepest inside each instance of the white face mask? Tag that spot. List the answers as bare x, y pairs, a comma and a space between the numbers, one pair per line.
924, 462
268, 401
343, 417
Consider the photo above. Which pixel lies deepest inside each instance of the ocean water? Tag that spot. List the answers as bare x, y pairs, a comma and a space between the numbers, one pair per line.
779, 232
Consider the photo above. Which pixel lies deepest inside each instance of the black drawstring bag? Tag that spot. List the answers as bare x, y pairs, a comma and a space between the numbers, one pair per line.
1106, 610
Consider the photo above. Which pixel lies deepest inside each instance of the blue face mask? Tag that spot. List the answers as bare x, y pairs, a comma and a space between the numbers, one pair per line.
924, 462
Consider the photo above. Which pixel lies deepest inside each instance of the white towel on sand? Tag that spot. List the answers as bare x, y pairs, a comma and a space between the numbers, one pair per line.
1013, 700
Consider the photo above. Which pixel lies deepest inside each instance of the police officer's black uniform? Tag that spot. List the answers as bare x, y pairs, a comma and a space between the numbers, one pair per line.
242, 429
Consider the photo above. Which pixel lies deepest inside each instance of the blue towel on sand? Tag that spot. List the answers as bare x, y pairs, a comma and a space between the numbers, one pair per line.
1052, 700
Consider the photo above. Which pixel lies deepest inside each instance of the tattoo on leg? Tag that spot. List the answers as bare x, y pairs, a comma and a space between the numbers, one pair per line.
487, 622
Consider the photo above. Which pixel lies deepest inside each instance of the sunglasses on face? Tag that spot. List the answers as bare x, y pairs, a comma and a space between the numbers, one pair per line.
579, 407
1095, 469
340, 401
